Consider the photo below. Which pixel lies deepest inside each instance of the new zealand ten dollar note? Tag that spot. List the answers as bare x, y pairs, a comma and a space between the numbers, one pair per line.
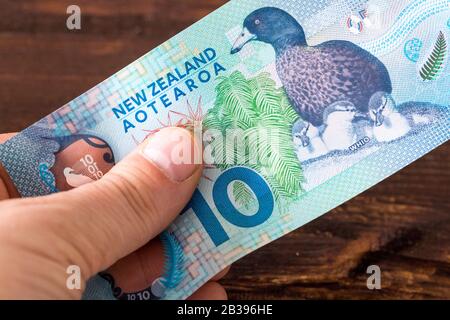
301, 106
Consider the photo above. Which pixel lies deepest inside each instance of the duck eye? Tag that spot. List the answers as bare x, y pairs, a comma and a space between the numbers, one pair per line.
257, 22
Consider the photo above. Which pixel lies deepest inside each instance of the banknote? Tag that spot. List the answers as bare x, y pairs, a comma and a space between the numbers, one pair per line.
300, 105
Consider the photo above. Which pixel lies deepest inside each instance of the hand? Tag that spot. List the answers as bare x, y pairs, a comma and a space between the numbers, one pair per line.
98, 225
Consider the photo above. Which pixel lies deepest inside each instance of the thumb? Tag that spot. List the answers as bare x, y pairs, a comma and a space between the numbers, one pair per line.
95, 225
136, 200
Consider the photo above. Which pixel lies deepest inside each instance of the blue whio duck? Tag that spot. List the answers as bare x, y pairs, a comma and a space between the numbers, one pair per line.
316, 77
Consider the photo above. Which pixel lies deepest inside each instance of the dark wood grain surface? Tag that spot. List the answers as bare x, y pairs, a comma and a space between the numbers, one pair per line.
402, 224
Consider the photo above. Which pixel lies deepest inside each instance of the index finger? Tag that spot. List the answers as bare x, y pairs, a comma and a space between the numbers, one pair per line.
5, 136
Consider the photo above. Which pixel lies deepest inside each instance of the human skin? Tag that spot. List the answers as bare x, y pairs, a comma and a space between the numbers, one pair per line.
96, 225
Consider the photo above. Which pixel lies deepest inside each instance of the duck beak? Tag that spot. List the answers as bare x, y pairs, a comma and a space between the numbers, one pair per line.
379, 119
244, 37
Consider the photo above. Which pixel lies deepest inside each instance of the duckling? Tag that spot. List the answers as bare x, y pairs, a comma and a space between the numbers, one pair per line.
307, 140
363, 128
389, 124
339, 132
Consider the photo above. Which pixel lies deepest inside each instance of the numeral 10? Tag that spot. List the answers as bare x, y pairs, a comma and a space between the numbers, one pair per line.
89, 162
225, 206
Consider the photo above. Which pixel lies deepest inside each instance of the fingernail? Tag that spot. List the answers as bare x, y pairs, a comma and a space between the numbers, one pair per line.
172, 151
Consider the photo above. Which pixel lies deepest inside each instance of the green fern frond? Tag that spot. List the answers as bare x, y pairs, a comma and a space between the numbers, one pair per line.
288, 112
242, 194
235, 94
435, 62
263, 113
266, 99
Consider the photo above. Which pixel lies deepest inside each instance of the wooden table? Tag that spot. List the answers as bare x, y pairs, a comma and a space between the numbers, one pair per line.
402, 224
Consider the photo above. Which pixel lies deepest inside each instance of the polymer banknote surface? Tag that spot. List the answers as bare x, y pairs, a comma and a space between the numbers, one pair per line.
301, 104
